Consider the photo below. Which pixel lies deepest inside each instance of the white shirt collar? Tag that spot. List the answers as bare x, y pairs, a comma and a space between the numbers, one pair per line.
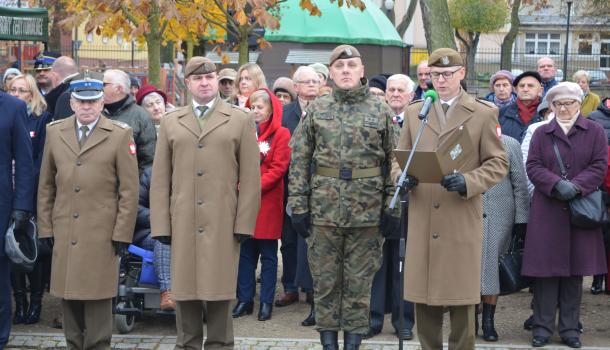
90, 125
209, 105
450, 102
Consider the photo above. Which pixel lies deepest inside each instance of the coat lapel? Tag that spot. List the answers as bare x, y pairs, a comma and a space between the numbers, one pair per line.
188, 119
460, 111
218, 116
99, 134
68, 134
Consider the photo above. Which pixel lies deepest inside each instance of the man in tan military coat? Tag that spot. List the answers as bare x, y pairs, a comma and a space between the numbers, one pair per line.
205, 196
445, 234
87, 205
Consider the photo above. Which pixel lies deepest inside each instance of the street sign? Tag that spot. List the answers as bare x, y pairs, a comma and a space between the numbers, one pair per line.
24, 24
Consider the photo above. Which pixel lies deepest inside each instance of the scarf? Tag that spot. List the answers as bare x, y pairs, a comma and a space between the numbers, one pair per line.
502, 103
566, 125
526, 113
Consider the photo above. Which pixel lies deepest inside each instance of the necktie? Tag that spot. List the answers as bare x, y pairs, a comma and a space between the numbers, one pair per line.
201, 117
445, 107
83, 135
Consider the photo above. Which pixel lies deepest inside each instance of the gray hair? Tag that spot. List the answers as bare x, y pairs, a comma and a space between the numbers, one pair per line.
150, 95
302, 69
409, 84
120, 78
581, 74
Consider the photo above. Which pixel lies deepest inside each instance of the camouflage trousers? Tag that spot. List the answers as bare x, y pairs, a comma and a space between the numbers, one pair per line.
343, 262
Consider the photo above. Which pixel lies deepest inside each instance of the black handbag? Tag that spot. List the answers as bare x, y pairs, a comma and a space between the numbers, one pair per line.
585, 211
509, 264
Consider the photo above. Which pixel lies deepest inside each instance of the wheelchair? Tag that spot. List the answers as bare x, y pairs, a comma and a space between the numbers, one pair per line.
138, 290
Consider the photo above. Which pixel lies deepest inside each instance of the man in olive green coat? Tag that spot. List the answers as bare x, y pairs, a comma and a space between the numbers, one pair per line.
346, 141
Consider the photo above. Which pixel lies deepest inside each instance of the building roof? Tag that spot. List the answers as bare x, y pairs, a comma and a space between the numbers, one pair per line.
301, 56
559, 21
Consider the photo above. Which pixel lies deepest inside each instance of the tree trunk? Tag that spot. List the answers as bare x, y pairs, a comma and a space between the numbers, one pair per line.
243, 46
471, 54
437, 26
407, 18
190, 46
153, 43
507, 44
54, 44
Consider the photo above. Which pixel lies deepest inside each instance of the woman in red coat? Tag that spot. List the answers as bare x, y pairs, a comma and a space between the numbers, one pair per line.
274, 159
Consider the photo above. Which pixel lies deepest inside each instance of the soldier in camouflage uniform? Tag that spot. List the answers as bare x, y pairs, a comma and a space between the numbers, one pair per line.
339, 181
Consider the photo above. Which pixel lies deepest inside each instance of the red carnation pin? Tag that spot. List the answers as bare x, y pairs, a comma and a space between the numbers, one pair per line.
132, 148
32, 134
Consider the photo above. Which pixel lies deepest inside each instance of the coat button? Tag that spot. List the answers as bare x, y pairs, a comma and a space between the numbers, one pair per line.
73, 242
436, 205
76, 189
78, 162
199, 172
200, 230
75, 215
435, 235
200, 145
484, 215
199, 202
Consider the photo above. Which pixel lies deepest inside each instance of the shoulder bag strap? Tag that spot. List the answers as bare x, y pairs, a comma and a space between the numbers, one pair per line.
564, 173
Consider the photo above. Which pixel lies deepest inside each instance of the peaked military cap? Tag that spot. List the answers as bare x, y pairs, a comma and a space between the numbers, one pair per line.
199, 65
43, 62
343, 52
87, 89
445, 57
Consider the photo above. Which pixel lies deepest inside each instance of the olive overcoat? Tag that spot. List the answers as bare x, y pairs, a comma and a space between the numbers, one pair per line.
205, 188
445, 232
87, 198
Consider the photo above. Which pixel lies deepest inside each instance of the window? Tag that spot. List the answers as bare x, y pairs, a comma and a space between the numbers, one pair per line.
542, 44
604, 53
585, 43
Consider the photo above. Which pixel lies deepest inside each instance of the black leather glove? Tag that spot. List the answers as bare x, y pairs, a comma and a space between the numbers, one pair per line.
45, 245
164, 239
409, 184
120, 248
301, 224
21, 218
241, 238
564, 190
454, 183
389, 225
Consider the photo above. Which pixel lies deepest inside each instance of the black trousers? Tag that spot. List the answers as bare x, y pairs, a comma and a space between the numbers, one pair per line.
551, 293
385, 294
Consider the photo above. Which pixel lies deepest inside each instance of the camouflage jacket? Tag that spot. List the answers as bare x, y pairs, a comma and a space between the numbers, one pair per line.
345, 130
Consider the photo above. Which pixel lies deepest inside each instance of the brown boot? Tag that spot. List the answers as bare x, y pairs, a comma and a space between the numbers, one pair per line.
167, 303
287, 299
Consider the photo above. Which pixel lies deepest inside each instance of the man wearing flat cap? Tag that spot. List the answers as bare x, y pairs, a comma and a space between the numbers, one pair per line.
443, 258
87, 206
517, 116
205, 196
338, 186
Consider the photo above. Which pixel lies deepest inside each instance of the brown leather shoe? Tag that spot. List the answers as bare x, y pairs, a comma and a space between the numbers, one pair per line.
167, 303
287, 299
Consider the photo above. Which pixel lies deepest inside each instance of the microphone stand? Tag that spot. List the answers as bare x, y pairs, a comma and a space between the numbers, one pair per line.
403, 227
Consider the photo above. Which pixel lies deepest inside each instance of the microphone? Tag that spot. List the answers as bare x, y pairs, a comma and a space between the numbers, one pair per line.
429, 97
429, 85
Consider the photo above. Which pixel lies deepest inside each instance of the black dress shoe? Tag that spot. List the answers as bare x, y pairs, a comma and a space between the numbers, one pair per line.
529, 323
264, 313
597, 285
406, 334
311, 319
242, 309
539, 341
371, 333
572, 342
33, 313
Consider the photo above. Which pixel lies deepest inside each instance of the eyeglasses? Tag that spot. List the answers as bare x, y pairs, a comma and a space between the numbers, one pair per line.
309, 82
21, 91
106, 84
447, 75
378, 94
567, 105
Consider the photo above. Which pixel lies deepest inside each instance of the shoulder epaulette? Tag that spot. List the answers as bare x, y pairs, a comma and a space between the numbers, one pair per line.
56, 122
243, 109
486, 103
120, 124
416, 101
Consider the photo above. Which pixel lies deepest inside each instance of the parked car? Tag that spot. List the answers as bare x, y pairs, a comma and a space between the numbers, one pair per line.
598, 77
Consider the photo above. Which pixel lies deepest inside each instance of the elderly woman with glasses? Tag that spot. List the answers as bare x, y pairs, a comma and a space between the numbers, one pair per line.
24, 88
591, 100
558, 254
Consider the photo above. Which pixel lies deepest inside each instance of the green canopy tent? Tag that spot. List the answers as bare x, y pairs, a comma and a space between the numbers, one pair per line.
346, 25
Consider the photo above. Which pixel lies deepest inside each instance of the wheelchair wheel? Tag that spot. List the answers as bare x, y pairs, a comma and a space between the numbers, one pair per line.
124, 323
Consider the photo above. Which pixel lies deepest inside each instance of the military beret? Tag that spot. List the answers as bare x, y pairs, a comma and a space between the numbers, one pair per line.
564, 91
445, 57
529, 73
199, 65
320, 68
87, 89
343, 52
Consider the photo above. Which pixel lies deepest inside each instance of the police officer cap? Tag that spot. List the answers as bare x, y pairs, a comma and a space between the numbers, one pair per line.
87, 89
343, 52
529, 73
199, 65
445, 57
21, 248
43, 62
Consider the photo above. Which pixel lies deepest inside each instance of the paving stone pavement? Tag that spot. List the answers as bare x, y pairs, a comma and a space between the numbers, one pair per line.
21, 340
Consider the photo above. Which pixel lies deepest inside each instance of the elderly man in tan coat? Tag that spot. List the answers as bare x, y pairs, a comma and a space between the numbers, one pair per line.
205, 196
445, 232
87, 206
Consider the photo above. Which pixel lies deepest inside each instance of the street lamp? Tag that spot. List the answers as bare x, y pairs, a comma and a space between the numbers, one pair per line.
388, 5
565, 50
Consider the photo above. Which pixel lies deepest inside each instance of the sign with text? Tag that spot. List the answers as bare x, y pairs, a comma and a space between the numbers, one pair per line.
24, 24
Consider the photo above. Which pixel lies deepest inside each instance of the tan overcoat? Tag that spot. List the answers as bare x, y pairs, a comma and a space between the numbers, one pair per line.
445, 233
205, 187
87, 198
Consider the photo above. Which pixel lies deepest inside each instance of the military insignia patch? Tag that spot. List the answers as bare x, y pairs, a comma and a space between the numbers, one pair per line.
325, 116
445, 60
348, 51
498, 131
132, 148
371, 122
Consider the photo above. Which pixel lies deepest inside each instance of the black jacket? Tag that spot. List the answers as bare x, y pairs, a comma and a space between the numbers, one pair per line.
52, 97
511, 124
602, 116
142, 229
291, 116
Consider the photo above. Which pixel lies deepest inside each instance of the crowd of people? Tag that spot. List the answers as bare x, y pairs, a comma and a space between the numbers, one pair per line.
306, 167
